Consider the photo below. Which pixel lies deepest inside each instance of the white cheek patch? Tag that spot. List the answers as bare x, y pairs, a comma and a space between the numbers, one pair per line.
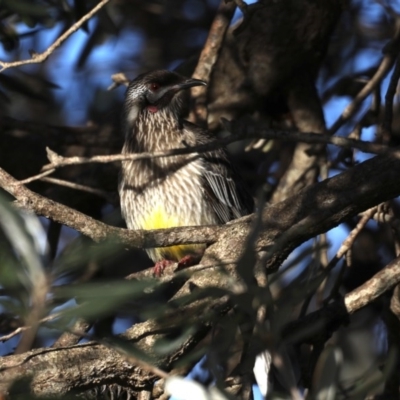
133, 114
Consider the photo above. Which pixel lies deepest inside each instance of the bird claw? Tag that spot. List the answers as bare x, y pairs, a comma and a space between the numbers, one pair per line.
188, 261
184, 262
159, 267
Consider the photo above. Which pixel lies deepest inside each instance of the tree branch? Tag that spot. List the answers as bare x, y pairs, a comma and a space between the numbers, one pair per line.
385, 128
335, 313
325, 205
208, 58
82, 365
391, 51
239, 132
38, 58
97, 230
317, 209
61, 370
314, 210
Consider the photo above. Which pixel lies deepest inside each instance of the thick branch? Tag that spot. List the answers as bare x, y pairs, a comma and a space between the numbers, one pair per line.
59, 370
381, 282
314, 210
97, 230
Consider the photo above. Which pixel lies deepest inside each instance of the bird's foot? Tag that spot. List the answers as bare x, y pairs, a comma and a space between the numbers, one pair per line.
188, 261
159, 267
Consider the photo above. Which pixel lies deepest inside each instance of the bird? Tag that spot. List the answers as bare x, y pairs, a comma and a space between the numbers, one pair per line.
180, 190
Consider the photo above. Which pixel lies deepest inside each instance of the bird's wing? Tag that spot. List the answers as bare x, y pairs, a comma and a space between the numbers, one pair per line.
225, 189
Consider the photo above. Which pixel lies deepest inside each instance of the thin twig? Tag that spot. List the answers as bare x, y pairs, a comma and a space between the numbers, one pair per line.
385, 131
24, 328
391, 51
118, 79
336, 312
323, 261
38, 58
208, 58
98, 192
387, 216
322, 247
348, 242
13, 333
344, 249
36, 177
240, 133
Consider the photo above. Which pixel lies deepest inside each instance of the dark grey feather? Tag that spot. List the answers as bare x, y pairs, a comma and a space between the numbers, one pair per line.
223, 185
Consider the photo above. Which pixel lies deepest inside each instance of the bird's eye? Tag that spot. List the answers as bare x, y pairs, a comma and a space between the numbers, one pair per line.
154, 86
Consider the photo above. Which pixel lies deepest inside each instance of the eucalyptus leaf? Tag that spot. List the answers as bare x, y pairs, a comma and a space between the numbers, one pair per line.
168, 345
373, 379
96, 299
326, 373
23, 232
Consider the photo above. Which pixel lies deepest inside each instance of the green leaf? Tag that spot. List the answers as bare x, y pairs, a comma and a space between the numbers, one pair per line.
326, 373
96, 299
21, 233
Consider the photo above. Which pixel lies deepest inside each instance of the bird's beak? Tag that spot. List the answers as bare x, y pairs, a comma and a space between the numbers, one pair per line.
190, 83
185, 85
173, 89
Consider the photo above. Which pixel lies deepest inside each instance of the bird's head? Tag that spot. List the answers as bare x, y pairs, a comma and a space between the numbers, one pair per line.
156, 91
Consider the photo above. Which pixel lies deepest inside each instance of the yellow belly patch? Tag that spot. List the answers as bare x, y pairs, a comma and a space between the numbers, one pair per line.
159, 219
